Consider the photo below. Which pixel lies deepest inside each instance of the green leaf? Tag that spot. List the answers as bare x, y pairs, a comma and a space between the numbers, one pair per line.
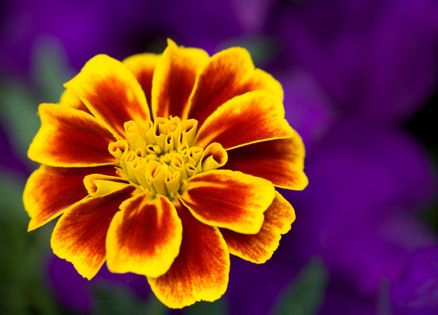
207, 308
304, 296
50, 68
112, 299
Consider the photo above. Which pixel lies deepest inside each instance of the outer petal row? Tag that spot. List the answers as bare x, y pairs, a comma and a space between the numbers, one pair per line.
70, 138
245, 119
259, 248
70, 99
79, 236
142, 67
50, 190
200, 271
174, 78
94, 229
229, 73
110, 92
280, 161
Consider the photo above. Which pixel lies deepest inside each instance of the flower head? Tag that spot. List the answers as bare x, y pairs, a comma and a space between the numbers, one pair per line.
166, 191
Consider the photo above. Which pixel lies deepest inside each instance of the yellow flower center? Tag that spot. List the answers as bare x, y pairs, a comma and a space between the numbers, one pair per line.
160, 156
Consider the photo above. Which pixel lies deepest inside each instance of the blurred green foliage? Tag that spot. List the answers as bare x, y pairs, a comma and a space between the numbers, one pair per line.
23, 287
50, 68
112, 299
304, 295
18, 115
262, 49
216, 308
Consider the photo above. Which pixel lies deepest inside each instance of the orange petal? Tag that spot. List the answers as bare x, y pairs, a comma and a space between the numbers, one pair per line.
228, 199
229, 73
70, 99
280, 161
259, 248
200, 271
145, 237
261, 80
143, 67
111, 92
50, 190
79, 236
174, 79
249, 118
70, 137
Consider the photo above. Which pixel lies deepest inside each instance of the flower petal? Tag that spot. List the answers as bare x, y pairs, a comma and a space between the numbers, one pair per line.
143, 67
200, 271
145, 237
259, 248
259, 115
228, 199
50, 190
99, 185
79, 236
70, 99
280, 161
174, 79
229, 73
111, 92
70, 138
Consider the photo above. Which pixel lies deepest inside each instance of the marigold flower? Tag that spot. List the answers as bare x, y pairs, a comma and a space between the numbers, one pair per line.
166, 191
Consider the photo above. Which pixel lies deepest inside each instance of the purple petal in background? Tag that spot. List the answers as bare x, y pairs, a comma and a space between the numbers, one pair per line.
373, 57
358, 211
341, 299
254, 289
417, 292
307, 107
87, 28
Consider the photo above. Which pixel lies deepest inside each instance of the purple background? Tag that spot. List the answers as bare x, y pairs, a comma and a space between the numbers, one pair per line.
360, 83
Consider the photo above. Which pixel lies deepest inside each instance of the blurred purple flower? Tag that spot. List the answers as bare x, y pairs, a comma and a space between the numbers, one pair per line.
254, 289
417, 292
358, 211
376, 59
83, 28
341, 299
359, 214
87, 28
372, 62
308, 108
